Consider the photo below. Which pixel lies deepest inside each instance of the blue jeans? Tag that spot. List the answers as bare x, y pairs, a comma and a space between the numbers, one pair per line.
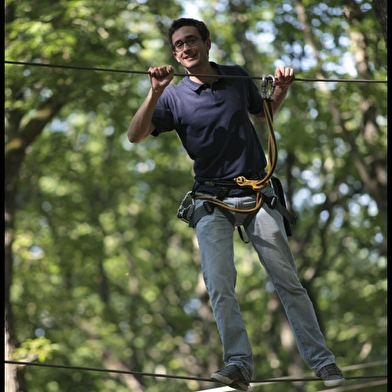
267, 235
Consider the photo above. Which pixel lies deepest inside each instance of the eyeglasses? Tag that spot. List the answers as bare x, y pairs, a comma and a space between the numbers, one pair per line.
190, 41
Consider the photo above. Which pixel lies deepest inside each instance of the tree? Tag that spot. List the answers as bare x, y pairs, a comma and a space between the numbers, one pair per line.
99, 270
381, 11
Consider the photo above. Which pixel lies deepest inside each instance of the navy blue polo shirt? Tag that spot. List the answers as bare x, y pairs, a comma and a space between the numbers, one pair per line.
212, 121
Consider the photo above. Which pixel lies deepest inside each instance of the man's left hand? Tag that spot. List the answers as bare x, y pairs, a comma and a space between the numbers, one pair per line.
284, 76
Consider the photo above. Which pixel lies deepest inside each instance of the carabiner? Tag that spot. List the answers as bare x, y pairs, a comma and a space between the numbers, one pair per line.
272, 89
265, 94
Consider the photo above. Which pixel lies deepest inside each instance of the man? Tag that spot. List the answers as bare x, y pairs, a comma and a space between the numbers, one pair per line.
210, 113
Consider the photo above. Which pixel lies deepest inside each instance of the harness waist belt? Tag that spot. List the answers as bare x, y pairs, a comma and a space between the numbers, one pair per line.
232, 183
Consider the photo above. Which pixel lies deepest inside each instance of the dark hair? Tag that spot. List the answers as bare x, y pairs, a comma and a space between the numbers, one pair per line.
177, 24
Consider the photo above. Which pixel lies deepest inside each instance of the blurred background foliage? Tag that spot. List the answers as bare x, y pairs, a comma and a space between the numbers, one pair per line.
99, 272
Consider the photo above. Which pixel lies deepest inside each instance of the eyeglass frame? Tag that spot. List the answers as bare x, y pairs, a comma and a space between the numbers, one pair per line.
182, 43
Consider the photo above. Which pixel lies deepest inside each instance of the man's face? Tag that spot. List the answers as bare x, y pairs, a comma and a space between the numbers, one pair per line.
190, 50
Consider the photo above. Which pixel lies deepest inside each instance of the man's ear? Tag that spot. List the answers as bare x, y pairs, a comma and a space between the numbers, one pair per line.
208, 45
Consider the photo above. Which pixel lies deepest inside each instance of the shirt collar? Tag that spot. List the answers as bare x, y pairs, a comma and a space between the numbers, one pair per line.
196, 86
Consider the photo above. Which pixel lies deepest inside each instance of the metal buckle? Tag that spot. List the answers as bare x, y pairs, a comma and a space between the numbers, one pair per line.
265, 94
273, 202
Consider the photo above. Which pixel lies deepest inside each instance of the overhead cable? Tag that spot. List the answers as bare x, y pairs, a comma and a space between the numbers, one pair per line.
128, 71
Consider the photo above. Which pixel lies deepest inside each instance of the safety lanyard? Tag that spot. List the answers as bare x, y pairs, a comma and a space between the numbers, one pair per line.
258, 184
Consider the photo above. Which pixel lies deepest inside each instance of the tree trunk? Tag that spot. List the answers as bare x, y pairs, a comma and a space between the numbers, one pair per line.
19, 138
380, 9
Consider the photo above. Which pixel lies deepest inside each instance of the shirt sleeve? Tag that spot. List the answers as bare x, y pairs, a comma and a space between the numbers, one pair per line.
162, 117
255, 102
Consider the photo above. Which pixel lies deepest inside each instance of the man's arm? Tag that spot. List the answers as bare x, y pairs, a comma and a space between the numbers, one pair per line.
284, 77
141, 125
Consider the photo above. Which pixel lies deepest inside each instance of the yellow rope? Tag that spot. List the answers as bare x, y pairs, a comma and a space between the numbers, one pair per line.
259, 201
272, 154
258, 184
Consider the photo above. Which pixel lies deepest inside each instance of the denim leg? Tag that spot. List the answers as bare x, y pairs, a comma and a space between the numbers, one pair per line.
267, 234
215, 237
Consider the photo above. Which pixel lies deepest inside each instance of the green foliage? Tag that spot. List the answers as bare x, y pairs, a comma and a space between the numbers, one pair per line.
105, 275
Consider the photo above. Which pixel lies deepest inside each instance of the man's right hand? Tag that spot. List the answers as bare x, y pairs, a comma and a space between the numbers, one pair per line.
141, 125
160, 77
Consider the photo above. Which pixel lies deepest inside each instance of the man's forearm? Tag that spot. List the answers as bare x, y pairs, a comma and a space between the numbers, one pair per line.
141, 125
277, 99
279, 96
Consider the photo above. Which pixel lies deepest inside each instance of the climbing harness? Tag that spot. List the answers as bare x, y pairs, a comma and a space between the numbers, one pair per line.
187, 207
191, 215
